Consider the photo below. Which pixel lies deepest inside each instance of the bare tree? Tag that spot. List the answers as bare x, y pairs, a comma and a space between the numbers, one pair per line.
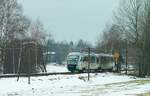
37, 31
111, 40
12, 21
128, 17
145, 39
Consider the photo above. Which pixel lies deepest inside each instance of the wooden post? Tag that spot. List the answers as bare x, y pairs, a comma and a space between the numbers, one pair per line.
13, 60
29, 69
144, 63
44, 64
36, 62
29, 61
126, 58
13, 56
19, 65
89, 61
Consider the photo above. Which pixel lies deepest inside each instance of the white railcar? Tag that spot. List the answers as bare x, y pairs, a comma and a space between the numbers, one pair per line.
77, 61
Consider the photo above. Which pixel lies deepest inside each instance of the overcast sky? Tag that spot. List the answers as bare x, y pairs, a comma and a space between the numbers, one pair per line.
72, 20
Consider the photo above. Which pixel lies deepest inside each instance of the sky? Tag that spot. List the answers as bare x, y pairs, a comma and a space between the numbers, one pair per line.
71, 20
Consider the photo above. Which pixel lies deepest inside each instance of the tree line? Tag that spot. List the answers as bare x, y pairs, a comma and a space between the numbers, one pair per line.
15, 28
130, 28
63, 48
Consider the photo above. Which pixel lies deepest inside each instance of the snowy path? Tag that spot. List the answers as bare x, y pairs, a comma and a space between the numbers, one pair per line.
102, 84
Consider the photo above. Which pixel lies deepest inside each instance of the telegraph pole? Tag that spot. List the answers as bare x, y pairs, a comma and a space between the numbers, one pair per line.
13, 55
126, 57
126, 60
89, 61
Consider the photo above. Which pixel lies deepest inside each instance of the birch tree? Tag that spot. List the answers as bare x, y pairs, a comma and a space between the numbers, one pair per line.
12, 21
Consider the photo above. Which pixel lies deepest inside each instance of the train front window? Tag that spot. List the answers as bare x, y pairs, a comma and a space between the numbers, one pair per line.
72, 59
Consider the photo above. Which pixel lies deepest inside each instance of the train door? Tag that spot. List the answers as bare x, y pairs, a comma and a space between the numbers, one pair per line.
98, 61
107, 62
93, 63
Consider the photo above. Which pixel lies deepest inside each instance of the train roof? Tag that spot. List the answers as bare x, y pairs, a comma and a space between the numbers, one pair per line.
93, 54
104, 55
83, 54
74, 53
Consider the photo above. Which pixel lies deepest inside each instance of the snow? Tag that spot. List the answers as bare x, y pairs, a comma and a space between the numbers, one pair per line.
100, 84
55, 68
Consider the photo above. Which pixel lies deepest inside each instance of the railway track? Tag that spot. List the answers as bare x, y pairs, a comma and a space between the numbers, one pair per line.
41, 74
47, 74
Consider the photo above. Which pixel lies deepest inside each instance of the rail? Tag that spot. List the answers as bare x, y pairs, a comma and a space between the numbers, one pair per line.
41, 74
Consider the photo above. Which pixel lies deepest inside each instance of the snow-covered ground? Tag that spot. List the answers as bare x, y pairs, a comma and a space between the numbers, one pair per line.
101, 84
56, 68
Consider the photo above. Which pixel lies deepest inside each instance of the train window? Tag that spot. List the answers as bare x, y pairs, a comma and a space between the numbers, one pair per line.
106, 60
86, 59
97, 60
93, 59
73, 57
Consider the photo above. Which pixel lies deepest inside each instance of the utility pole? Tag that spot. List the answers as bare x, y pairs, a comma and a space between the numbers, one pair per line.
13, 56
19, 63
126, 60
126, 57
144, 63
89, 61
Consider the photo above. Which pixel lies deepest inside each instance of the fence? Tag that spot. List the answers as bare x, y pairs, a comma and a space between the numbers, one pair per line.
22, 57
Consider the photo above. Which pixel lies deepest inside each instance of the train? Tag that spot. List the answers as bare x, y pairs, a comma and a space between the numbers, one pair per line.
78, 62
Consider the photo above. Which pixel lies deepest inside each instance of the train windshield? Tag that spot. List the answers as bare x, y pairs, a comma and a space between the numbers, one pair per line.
73, 59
